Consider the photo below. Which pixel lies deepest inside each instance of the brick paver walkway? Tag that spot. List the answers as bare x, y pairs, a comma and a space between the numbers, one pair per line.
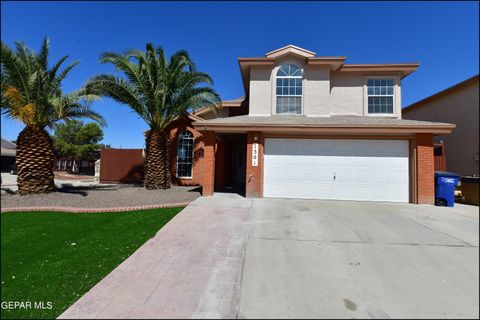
190, 269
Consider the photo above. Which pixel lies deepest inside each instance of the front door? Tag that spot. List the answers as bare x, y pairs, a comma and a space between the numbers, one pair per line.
232, 163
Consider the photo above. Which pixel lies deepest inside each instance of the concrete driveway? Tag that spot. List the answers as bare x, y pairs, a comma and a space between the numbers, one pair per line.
339, 259
230, 257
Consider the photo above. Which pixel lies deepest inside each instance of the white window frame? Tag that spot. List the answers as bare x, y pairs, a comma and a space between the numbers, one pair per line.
396, 91
193, 150
276, 76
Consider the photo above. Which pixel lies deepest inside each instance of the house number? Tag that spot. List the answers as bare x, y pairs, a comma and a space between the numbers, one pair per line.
255, 155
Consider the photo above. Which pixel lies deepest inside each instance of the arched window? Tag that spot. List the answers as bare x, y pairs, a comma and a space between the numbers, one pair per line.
185, 154
289, 89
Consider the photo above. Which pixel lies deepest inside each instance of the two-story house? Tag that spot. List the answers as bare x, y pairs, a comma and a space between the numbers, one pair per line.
310, 127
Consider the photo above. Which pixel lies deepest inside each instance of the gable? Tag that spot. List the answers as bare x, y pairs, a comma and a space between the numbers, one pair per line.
290, 50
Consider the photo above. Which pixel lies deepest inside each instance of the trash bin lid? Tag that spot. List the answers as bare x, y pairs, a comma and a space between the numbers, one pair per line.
446, 174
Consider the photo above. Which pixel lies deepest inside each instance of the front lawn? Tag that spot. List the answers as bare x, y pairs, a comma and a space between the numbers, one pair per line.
57, 257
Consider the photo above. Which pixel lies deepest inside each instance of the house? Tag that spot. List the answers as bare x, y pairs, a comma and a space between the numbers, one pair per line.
459, 105
311, 127
8, 155
86, 167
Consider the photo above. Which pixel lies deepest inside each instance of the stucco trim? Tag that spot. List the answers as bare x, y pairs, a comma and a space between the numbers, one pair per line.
290, 49
334, 63
404, 68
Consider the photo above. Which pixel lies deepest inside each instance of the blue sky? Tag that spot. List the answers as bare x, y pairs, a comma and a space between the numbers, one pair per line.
442, 36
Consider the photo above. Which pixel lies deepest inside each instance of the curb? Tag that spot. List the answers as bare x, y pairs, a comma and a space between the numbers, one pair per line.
96, 210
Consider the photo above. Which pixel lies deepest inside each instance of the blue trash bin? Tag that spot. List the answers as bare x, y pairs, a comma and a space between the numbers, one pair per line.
445, 183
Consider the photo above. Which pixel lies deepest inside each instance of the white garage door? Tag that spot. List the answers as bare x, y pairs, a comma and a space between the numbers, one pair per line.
365, 170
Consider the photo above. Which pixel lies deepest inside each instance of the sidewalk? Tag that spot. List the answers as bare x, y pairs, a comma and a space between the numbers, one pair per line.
190, 269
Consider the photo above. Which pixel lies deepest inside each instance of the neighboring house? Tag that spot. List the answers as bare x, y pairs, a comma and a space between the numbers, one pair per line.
86, 167
458, 104
309, 127
8, 155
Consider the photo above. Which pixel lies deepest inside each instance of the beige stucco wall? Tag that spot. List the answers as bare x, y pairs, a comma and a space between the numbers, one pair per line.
460, 107
346, 93
316, 85
325, 93
260, 91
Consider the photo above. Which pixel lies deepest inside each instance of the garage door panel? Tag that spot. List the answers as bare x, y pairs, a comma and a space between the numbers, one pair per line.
397, 194
362, 162
309, 190
397, 178
360, 177
364, 169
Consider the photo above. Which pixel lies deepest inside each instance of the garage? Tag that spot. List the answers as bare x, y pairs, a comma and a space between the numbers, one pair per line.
363, 170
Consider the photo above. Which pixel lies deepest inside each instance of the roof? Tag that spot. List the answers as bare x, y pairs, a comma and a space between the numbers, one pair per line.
233, 102
8, 148
253, 123
7, 144
442, 93
224, 104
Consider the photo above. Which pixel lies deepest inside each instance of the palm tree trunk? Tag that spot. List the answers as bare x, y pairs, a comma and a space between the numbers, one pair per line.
157, 173
35, 161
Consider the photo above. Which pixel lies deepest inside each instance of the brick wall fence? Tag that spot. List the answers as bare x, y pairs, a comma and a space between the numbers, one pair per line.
121, 165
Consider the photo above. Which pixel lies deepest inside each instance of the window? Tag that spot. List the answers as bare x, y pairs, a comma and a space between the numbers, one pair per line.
289, 89
380, 96
185, 154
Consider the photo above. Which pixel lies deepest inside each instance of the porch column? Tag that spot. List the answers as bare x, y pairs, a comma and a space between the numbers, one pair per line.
208, 183
425, 182
254, 183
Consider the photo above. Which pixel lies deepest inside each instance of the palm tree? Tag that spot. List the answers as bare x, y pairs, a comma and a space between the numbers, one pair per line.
32, 93
159, 91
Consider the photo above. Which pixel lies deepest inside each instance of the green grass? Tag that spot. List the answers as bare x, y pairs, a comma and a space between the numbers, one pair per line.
57, 257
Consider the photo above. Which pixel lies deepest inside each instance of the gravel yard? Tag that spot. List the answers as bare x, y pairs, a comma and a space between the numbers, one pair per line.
102, 196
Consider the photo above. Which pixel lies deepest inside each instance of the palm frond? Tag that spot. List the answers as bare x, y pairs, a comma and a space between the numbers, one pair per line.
158, 89
43, 54
32, 93
119, 90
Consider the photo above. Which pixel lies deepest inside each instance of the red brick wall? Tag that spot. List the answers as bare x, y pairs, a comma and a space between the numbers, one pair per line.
254, 183
121, 165
425, 168
221, 166
197, 171
208, 163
